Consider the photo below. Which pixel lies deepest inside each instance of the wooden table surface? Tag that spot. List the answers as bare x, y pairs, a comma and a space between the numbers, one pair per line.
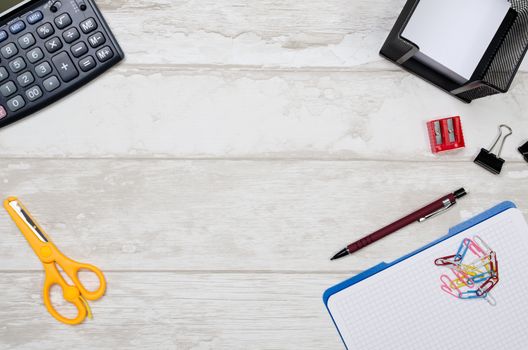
214, 172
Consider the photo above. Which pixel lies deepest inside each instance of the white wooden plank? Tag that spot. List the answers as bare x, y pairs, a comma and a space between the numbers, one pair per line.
281, 33
290, 33
237, 215
260, 114
178, 311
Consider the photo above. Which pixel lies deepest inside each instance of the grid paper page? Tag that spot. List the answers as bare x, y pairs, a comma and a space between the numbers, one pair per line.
403, 307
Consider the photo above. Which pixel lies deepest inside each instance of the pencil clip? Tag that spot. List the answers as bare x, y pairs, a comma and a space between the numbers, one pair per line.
447, 204
490, 161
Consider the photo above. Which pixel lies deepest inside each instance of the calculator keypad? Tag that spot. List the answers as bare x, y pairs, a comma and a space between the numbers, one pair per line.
44, 54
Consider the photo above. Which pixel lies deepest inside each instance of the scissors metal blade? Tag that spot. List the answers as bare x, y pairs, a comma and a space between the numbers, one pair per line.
28, 221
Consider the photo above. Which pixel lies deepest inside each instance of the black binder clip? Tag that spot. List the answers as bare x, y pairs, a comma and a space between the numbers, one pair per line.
490, 161
524, 151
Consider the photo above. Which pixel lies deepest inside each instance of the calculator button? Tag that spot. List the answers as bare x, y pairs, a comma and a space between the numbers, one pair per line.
35, 17
3, 112
62, 21
17, 64
33, 93
25, 79
88, 26
105, 54
35, 55
3, 35
51, 84
97, 40
16, 103
17, 27
79, 49
45, 31
9, 50
43, 69
8, 89
3, 74
71, 35
87, 63
53, 45
64, 65
26, 40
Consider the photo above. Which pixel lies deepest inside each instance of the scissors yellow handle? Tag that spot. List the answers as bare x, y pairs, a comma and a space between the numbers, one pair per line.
51, 259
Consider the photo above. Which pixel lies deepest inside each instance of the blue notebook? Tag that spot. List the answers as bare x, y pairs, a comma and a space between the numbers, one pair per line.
466, 289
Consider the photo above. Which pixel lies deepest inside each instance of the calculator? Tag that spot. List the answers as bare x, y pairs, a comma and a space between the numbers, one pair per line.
48, 49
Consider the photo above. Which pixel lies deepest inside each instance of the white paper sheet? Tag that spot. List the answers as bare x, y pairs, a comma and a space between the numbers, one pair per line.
455, 33
404, 307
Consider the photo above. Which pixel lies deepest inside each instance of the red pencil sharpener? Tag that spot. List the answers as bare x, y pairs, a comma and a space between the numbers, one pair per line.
446, 134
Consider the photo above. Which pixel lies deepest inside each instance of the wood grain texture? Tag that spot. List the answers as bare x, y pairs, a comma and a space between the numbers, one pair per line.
290, 33
337, 34
214, 172
169, 113
178, 311
237, 215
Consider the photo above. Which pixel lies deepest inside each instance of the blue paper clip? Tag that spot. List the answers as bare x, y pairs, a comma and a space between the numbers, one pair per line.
472, 294
481, 278
462, 250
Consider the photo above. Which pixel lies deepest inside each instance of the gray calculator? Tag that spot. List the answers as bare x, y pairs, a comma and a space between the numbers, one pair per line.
48, 49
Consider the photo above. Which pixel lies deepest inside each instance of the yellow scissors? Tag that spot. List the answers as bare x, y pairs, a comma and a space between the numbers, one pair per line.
51, 257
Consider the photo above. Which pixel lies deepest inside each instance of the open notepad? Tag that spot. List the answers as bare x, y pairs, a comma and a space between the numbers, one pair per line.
403, 305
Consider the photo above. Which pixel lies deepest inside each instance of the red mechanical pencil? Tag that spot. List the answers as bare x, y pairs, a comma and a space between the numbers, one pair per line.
433, 209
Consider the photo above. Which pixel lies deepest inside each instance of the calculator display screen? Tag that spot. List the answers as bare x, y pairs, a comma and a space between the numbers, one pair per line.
7, 6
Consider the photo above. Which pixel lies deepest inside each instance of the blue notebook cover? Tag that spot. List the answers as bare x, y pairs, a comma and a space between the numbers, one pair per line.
383, 266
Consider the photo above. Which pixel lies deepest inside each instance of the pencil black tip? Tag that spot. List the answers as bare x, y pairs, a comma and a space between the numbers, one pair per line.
342, 253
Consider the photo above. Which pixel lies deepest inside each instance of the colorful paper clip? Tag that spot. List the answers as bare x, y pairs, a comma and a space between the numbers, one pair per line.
473, 280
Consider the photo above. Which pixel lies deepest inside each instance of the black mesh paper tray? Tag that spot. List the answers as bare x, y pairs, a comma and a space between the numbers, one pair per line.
496, 70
